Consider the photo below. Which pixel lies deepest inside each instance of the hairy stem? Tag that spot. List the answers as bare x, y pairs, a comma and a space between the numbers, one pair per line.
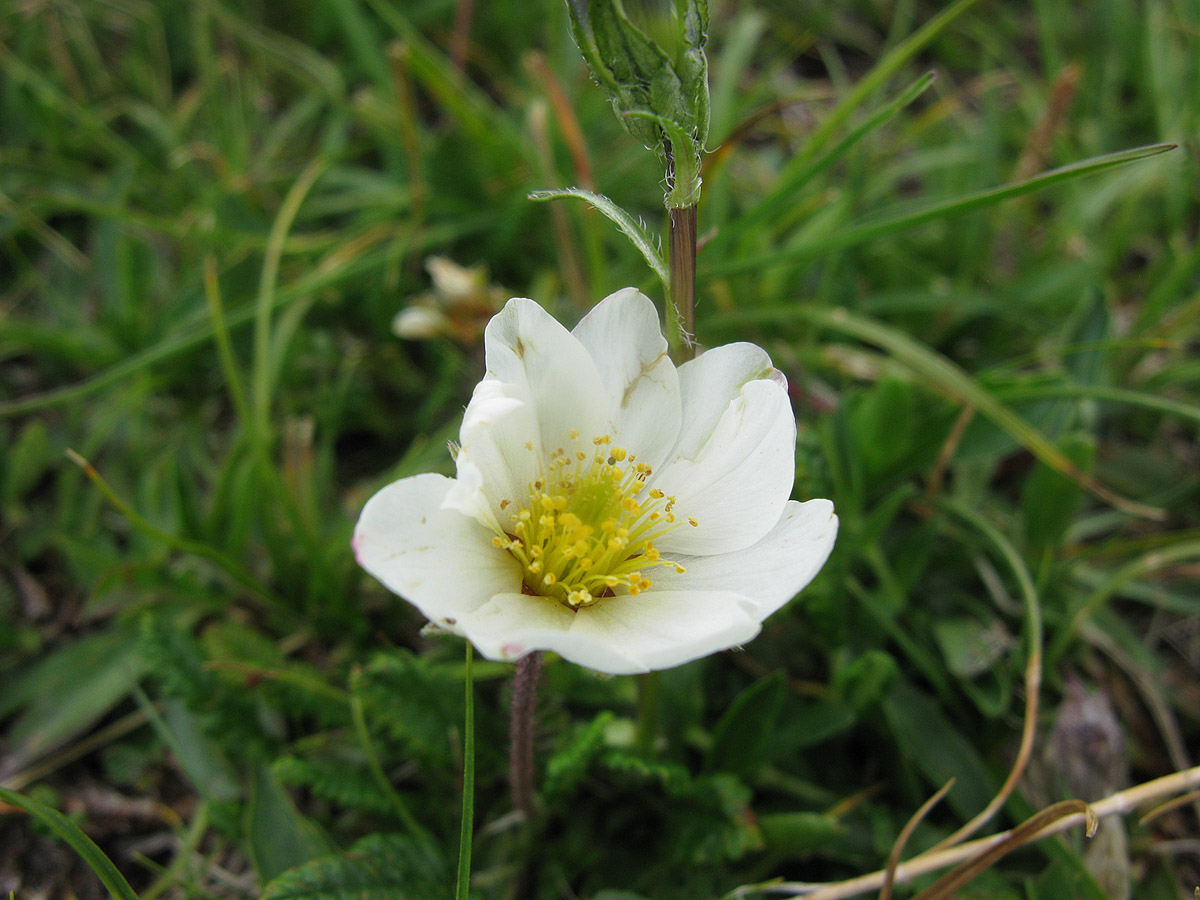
681, 253
683, 274
524, 713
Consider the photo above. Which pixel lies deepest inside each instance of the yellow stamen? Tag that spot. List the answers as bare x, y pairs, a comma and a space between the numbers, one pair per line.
588, 526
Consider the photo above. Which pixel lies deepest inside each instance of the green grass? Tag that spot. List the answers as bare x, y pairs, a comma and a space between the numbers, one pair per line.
985, 295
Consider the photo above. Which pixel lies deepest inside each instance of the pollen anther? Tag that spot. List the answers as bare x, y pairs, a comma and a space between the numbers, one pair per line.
589, 526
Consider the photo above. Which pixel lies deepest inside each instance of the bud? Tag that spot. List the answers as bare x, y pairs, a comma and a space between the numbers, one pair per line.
649, 56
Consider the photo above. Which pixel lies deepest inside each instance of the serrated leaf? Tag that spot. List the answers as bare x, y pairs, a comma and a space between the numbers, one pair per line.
674, 778
566, 768
720, 826
414, 700
740, 737
379, 867
227, 639
334, 779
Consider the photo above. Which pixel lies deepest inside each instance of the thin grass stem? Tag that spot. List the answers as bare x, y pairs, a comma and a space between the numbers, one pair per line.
463, 884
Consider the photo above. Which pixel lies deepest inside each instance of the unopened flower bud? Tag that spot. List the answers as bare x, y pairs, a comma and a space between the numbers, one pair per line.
649, 56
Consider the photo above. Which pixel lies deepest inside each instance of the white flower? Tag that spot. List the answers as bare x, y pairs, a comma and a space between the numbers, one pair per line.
624, 513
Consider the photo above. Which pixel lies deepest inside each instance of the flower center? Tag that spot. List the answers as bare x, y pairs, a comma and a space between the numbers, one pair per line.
589, 525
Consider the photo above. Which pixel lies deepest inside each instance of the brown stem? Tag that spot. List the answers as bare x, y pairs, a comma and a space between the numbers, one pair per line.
683, 274
524, 712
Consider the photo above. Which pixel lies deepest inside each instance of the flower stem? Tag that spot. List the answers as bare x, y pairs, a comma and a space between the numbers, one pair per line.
649, 712
524, 712
468, 803
682, 243
681, 252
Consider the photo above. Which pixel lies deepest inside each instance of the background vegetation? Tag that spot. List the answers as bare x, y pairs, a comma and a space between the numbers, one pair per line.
210, 213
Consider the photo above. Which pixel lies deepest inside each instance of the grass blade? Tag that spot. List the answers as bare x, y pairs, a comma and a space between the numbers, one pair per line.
867, 231
953, 381
69, 832
466, 832
794, 179
263, 364
884, 69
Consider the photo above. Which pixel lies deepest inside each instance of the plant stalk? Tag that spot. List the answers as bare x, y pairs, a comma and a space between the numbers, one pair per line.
682, 243
468, 798
681, 262
649, 712
526, 676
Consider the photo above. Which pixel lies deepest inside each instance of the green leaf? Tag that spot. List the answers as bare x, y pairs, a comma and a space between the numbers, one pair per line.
342, 781
276, 836
69, 832
28, 457
884, 422
631, 228
205, 765
379, 867
1049, 499
685, 151
567, 767
186, 339
741, 736
814, 722
414, 700
1093, 331
939, 751
70, 690
793, 833
717, 824
866, 680
970, 646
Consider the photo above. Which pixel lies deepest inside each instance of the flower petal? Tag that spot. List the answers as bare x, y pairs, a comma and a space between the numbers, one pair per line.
708, 383
512, 625
441, 561
623, 336
548, 368
619, 635
770, 572
736, 486
496, 458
